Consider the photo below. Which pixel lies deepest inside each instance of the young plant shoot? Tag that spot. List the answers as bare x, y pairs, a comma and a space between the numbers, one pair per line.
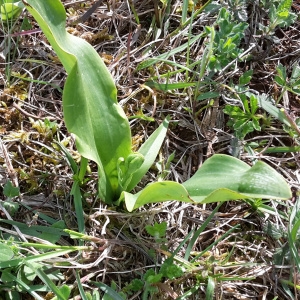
102, 131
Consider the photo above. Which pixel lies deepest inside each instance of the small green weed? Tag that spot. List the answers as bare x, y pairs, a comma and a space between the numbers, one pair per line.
246, 120
226, 41
291, 85
280, 15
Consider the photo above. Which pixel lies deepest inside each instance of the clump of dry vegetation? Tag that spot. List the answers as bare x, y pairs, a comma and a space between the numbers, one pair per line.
239, 98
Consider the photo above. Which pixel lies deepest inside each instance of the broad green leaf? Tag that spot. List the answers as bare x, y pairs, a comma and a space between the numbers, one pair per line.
90, 104
21, 285
11, 207
223, 177
50, 236
29, 272
10, 191
149, 150
279, 80
5, 252
156, 192
220, 178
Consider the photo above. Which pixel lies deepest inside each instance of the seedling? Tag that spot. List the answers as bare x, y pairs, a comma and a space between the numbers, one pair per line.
246, 120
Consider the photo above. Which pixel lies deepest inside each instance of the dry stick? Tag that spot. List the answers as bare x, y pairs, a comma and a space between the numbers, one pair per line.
25, 112
10, 170
30, 115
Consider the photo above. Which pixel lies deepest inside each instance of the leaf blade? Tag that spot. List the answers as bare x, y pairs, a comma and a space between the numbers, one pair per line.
90, 105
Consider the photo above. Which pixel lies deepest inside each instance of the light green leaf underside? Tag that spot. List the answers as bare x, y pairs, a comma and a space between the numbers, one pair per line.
220, 178
222, 171
156, 192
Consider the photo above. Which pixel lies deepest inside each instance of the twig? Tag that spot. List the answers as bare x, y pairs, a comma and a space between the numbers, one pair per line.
31, 115
10, 170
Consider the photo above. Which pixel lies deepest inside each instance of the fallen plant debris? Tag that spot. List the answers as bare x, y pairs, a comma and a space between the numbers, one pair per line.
198, 102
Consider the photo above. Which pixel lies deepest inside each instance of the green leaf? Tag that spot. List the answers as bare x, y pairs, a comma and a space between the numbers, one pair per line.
255, 124
149, 151
281, 70
295, 75
127, 167
223, 178
246, 77
279, 80
220, 178
170, 270
210, 289
158, 230
61, 293
101, 128
272, 109
10, 191
51, 233
5, 252
11, 207
50, 236
108, 290
29, 273
284, 5
32, 258
10, 9
156, 192
208, 95
76, 193
253, 104
151, 277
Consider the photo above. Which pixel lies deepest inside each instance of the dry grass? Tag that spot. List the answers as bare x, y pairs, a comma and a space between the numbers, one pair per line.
31, 86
